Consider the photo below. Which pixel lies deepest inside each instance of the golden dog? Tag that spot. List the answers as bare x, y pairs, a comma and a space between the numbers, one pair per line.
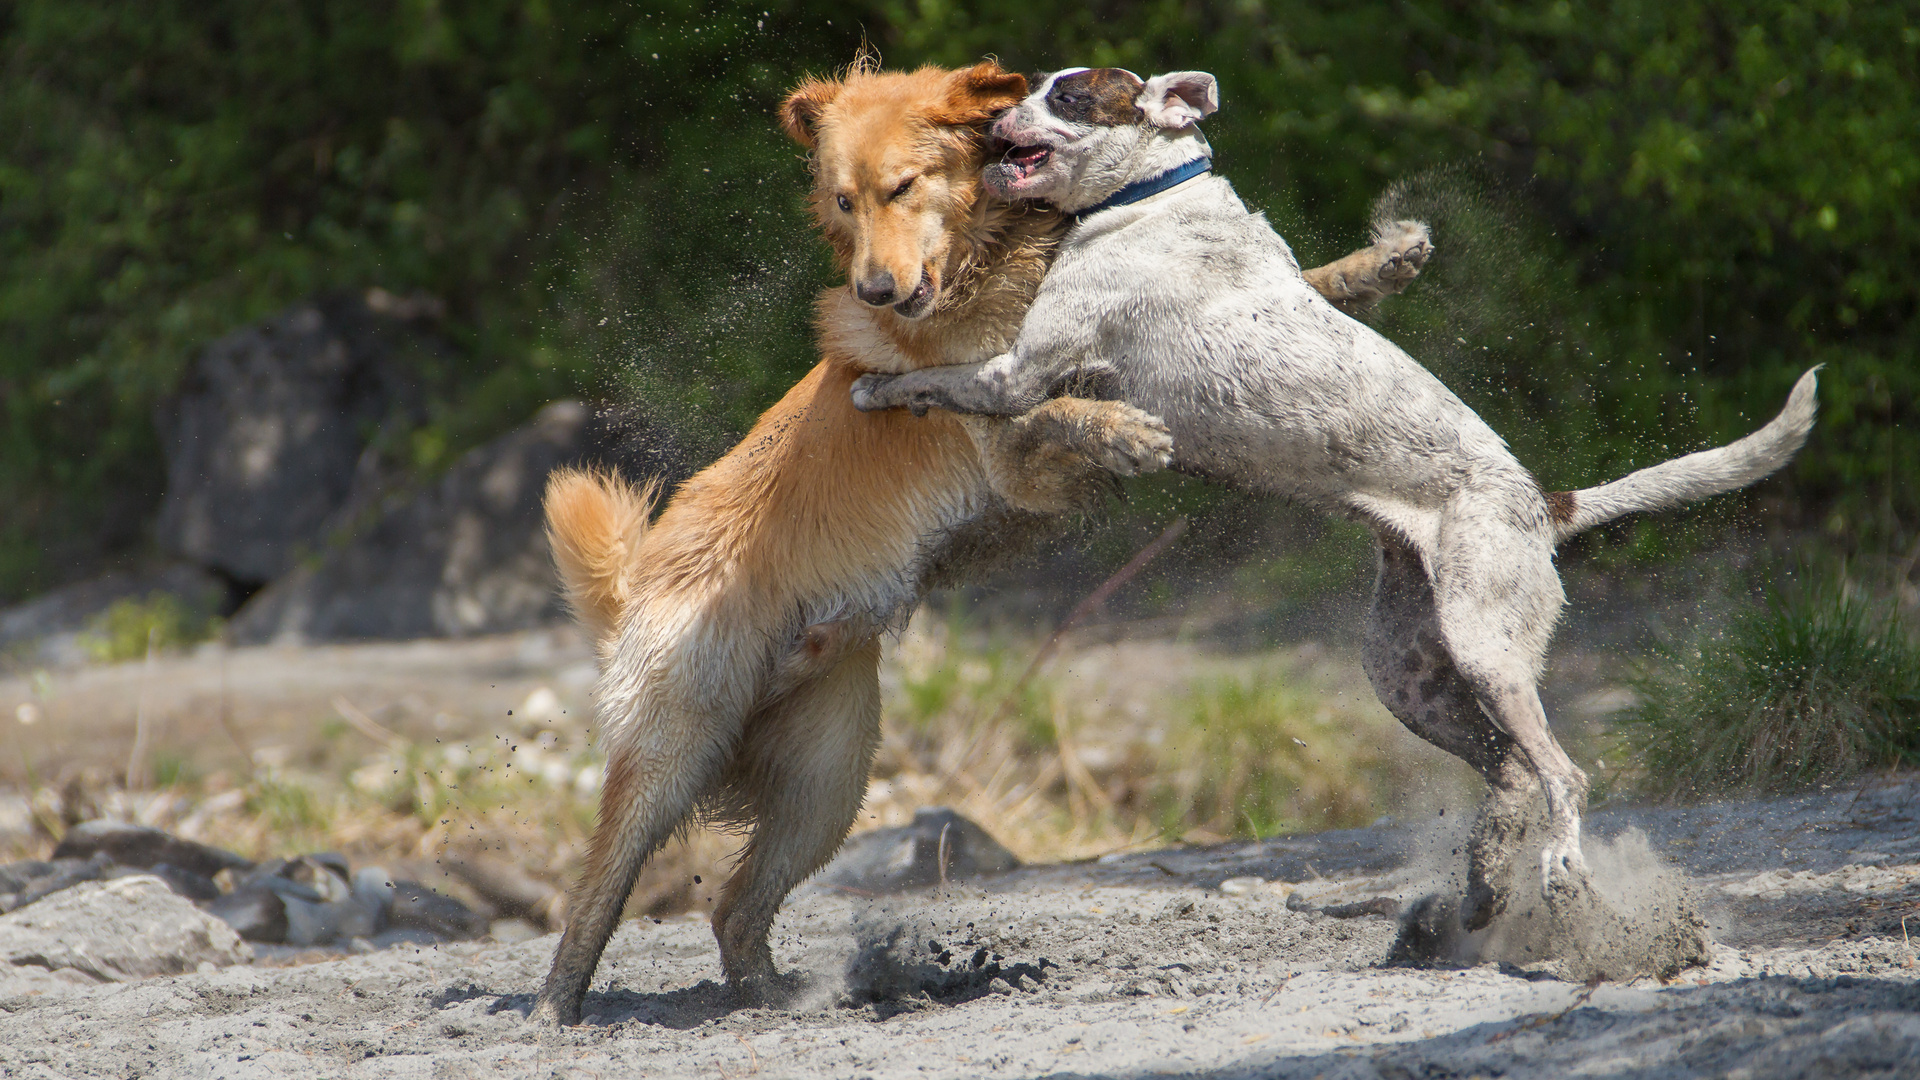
739, 632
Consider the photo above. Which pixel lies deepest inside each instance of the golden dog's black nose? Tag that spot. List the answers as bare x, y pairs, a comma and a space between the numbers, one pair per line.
878, 290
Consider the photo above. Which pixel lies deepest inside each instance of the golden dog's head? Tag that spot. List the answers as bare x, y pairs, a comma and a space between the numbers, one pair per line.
896, 173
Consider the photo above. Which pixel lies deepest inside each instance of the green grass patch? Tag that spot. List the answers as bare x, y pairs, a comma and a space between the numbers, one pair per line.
1816, 686
160, 622
1256, 756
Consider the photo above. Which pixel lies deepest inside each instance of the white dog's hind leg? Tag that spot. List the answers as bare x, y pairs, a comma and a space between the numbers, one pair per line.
1498, 597
1415, 677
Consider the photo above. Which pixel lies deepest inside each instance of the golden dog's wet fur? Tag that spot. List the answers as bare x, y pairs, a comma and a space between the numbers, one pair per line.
739, 631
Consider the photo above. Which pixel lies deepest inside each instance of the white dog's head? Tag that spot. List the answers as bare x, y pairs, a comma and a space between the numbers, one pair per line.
1085, 133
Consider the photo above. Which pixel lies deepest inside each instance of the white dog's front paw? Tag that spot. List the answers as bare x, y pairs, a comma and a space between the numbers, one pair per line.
870, 393
1137, 442
1403, 248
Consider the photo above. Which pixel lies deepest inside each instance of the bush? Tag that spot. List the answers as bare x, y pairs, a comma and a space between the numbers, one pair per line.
1685, 204
162, 621
1815, 687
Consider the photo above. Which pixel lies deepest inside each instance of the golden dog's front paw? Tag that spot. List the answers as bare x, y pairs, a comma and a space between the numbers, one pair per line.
1135, 441
1403, 248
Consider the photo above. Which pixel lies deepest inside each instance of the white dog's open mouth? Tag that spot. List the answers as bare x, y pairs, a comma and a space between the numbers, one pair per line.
1024, 161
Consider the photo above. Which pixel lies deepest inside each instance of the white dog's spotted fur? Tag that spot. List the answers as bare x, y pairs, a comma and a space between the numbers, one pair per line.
1191, 307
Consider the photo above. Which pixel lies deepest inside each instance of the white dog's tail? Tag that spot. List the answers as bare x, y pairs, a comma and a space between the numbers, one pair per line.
595, 523
1695, 476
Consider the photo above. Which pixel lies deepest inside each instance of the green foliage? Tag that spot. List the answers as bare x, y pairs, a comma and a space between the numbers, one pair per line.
289, 807
172, 768
160, 622
1650, 216
558, 176
1817, 686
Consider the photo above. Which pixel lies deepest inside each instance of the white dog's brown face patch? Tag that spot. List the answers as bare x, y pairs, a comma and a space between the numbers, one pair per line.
1088, 128
1093, 96
1066, 108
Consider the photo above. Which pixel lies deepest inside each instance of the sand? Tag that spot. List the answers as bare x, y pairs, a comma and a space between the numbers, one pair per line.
1203, 962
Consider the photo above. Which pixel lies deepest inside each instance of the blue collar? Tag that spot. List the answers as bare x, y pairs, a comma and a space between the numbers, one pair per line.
1152, 185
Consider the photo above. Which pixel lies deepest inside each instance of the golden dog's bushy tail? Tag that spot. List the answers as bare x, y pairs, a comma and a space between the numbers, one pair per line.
596, 521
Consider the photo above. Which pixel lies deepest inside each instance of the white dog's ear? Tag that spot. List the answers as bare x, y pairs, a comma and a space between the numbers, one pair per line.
1179, 98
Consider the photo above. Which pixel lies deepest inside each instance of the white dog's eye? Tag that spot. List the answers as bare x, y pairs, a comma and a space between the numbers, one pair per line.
846, 204
902, 189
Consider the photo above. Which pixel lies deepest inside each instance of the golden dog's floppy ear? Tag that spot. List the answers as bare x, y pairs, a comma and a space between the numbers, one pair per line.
803, 107
978, 93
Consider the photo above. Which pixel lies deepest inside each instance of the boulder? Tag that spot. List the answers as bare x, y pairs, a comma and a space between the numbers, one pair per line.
413, 906
141, 847
255, 912
910, 856
464, 555
266, 437
22, 883
305, 900
126, 928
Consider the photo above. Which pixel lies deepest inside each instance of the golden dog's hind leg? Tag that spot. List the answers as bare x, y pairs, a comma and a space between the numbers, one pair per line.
670, 754
1064, 455
802, 771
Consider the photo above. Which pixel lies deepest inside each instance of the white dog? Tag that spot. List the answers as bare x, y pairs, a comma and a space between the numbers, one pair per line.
1169, 293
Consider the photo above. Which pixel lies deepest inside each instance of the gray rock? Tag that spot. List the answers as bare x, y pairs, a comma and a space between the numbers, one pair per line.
326, 906
141, 847
326, 923
266, 435
416, 907
26, 882
127, 928
255, 912
184, 883
465, 555
18, 875
888, 860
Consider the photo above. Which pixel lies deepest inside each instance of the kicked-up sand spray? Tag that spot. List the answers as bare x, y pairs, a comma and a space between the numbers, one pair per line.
1629, 917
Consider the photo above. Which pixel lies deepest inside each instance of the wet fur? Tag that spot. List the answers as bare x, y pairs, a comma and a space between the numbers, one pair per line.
739, 631
1192, 307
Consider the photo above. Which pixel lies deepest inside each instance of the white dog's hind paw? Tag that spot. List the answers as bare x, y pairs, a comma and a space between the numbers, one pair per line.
1403, 248
1561, 863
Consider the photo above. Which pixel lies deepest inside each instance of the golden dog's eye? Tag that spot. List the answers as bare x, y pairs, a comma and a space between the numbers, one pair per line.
902, 189
846, 204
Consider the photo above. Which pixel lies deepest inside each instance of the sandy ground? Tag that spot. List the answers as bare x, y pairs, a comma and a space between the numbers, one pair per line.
1182, 963
1188, 962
